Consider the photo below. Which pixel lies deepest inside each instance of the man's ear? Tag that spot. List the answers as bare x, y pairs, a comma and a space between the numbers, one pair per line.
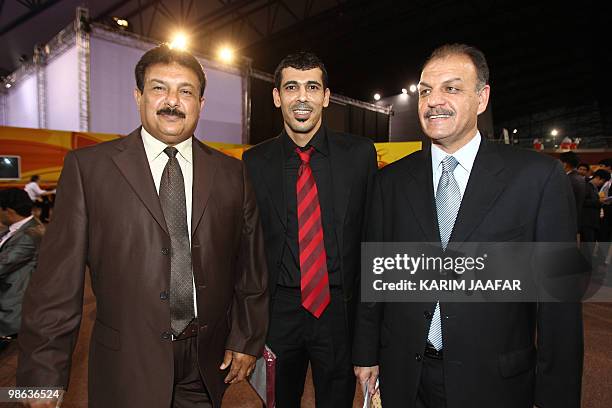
202, 103
137, 96
326, 98
276, 98
483, 98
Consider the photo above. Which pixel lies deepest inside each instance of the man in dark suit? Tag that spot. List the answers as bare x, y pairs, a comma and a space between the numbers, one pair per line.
169, 229
591, 211
462, 188
570, 161
18, 256
311, 185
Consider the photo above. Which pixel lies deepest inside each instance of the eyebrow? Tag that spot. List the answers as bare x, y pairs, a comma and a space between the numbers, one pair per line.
180, 85
448, 81
310, 82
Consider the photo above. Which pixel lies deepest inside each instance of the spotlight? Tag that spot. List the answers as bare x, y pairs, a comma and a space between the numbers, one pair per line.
226, 54
7, 161
377, 97
179, 41
121, 22
515, 131
413, 88
7, 85
554, 132
404, 91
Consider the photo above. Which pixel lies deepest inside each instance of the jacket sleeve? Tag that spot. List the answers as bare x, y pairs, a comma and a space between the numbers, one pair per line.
53, 301
560, 331
369, 314
249, 314
17, 252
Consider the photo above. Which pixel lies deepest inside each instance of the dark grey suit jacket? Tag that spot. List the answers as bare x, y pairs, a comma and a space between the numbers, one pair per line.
18, 258
502, 355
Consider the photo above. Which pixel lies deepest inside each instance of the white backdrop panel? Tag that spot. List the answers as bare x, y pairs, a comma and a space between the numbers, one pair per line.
62, 84
22, 103
113, 109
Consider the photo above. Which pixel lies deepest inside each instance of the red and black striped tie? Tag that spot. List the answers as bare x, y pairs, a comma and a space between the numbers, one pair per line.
313, 259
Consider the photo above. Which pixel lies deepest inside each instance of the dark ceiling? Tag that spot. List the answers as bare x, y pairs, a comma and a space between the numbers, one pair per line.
546, 58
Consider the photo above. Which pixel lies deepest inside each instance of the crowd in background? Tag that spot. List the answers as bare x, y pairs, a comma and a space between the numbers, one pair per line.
591, 188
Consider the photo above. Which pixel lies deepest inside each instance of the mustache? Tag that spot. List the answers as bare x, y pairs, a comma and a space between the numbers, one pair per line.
302, 106
432, 112
171, 112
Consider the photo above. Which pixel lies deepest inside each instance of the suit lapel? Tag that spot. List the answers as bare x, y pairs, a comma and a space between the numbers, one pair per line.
484, 187
203, 177
342, 182
134, 166
419, 194
274, 179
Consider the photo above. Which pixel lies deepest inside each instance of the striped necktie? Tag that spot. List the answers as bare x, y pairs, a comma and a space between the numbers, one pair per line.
448, 201
313, 258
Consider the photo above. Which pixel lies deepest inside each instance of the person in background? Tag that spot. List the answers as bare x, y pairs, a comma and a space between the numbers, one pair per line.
18, 257
584, 169
570, 161
591, 218
40, 198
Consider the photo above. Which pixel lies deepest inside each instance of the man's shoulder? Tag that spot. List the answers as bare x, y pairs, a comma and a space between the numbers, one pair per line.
260, 150
524, 158
407, 164
355, 141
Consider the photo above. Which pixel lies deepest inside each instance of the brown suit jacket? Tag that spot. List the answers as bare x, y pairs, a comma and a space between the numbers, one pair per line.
108, 217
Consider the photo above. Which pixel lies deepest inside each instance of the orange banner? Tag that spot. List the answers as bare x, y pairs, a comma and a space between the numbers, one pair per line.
42, 151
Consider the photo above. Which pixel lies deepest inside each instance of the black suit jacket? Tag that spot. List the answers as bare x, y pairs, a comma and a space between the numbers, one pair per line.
579, 188
491, 355
353, 165
591, 208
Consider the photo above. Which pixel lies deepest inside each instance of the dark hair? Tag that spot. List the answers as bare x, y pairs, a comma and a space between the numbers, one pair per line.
16, 199
474, 54
605, 162
163, 54
35, 177
570, 158
587, 165
602, 174
302, 61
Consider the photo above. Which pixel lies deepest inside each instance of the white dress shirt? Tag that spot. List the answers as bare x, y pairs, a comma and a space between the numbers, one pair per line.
157, 159
465, 156
13, 229
34, 190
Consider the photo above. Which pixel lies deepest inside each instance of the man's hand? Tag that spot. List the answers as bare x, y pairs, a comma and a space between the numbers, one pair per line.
367, 375
242, 365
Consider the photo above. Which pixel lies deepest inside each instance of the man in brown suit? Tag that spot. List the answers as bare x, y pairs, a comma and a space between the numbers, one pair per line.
170, 231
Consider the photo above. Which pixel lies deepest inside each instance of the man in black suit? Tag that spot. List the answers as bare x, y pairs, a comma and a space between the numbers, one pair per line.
467, 355
570, 161
591, 210
311, 185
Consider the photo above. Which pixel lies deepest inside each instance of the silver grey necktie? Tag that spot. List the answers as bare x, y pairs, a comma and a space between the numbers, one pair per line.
172, 199
448, 201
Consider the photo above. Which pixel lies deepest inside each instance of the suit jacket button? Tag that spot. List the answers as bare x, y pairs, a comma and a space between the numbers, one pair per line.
166, 336
418, 357
165, 251
163, 295
203, 327
278, 263
427, 314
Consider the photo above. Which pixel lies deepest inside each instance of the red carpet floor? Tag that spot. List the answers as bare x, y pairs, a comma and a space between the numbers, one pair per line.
597, 380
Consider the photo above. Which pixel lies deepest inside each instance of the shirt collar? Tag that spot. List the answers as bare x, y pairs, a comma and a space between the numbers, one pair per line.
465, 156
318, 141
16, 225
154, 147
